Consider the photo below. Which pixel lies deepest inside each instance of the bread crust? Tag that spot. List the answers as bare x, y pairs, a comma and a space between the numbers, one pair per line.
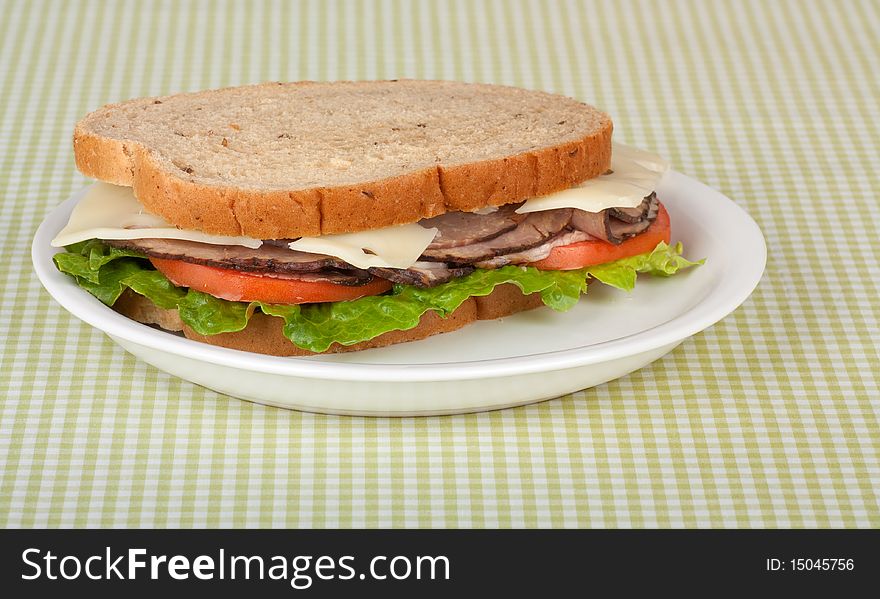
263, 334
277, 214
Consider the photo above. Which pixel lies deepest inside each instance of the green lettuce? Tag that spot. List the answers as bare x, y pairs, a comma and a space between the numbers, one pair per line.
100, 269
662, 261
316, 326
106, 272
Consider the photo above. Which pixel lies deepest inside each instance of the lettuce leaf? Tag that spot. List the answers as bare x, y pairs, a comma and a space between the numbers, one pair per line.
662, 261
210, 315
106, 272
317, 326
153, 285
107, 280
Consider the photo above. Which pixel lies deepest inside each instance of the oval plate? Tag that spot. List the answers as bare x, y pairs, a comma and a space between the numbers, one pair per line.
487, 365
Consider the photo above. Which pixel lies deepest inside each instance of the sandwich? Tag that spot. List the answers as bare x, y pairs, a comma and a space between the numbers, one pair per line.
300, 218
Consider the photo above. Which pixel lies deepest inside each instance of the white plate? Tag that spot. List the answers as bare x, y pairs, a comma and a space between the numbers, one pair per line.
524, 358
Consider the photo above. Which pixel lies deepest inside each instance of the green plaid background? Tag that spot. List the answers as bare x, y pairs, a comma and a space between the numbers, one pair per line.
768, 419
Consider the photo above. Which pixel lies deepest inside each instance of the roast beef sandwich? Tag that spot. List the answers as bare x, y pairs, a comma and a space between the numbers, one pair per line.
300, 218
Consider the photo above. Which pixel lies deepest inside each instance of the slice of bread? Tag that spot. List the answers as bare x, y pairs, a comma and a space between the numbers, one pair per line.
285, 160
263, 334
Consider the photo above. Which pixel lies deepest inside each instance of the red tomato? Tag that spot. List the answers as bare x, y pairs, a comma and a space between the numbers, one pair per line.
590, 253
248, 287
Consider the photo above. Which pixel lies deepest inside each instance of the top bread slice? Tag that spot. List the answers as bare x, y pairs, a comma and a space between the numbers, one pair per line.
286, 160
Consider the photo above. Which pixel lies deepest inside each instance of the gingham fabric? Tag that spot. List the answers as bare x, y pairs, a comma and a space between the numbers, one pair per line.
768, 419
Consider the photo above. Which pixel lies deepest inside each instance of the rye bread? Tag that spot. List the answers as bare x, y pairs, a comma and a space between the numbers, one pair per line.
284, 160
263, 334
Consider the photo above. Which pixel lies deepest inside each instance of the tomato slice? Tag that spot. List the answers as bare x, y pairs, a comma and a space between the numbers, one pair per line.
238, 286
590, 253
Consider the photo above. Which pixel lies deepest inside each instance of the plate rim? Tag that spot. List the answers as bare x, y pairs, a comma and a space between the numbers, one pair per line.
718, 303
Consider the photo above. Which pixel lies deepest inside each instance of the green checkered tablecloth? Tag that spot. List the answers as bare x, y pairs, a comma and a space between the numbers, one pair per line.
767, 419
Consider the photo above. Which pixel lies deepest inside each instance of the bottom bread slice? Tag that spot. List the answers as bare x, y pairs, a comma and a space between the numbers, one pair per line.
263, 333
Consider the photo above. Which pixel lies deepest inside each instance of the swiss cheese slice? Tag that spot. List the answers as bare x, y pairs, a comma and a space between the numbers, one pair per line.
390, 247
635, 174
112, 212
